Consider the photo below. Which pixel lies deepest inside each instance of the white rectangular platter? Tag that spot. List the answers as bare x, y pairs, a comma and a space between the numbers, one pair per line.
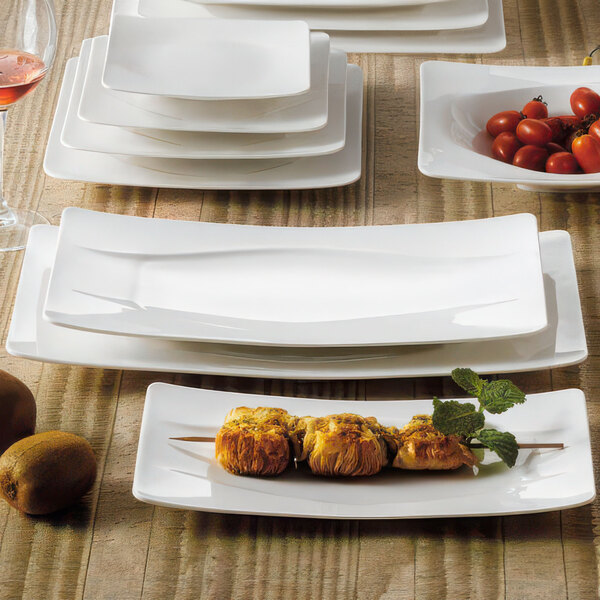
298, 286
94, 137
323, 4
186, 475
562, 343
452, 14
307, 112
204, 59
490, 37
457, 99
332, 170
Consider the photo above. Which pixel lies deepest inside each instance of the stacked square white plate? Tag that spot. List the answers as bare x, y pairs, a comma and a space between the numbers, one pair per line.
125, 292
398, 26
208, 104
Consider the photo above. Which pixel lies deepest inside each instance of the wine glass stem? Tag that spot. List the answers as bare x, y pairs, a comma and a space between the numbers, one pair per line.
6, 215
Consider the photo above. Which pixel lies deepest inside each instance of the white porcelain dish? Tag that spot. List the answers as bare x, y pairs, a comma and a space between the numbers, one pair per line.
561, 344
186, 475
207, 59
307, 112
83, 135
452, 14
457, 99
298, 286
323, 4
490, 37
340, 168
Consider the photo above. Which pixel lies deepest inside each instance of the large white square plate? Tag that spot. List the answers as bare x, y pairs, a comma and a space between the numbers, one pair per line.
187, 475
340, 168
84, 135
207, 59
490, 37
562, 343
298, 286
457, 99
452, 14
306, 112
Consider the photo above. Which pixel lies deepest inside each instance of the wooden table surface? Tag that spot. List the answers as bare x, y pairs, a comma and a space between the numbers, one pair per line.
112, 546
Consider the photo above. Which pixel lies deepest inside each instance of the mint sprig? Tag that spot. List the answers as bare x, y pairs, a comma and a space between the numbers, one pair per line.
466, 420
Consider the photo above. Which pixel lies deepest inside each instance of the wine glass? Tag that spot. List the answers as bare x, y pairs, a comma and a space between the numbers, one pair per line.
27, 49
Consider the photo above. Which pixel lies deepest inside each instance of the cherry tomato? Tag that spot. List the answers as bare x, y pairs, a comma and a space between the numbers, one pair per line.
584, 102
558, 127
562, 162
569, 120
503, 121
536, 109
568, 143
553, 148
531, 157
534, 132
505, 146
594, 130
587, 152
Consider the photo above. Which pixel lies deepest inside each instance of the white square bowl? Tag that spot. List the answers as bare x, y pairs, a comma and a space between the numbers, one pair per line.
208, 59
457, 99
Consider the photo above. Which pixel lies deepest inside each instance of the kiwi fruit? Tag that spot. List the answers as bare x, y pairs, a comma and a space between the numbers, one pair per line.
46, 472
17, 410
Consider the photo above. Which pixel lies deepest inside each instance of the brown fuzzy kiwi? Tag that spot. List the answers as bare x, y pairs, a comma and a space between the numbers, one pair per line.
45, 472
17, 410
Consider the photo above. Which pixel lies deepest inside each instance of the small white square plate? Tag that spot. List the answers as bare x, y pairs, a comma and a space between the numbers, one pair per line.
490, 37
187, 475
457, 99
339, 168
452, 14
84, 135
306, 112
298, 286
207, 59
561, 344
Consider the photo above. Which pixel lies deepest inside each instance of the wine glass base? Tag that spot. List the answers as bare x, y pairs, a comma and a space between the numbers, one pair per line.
14, 236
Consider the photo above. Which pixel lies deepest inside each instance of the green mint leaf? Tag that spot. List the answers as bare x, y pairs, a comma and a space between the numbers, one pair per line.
469, 381
502, 443
456, 418
498, 396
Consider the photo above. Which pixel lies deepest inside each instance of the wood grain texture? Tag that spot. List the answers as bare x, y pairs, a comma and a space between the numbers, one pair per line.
111, 546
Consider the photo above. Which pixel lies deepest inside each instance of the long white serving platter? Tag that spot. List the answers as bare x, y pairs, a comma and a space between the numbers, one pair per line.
332, 170
292, 114
490, 37
298, 286
187, 475
94, 137
452, 14
562, 343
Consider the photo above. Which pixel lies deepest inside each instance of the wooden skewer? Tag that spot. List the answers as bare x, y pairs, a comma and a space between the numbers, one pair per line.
521, 446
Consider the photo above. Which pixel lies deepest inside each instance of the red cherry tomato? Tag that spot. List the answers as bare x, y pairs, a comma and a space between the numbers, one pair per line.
505, 146
553, 148
587, 152
594, 130
571, 120
534, 132
531, 157
558, 127
535, 109
503, 121
562, 162
568, 143
584, 102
